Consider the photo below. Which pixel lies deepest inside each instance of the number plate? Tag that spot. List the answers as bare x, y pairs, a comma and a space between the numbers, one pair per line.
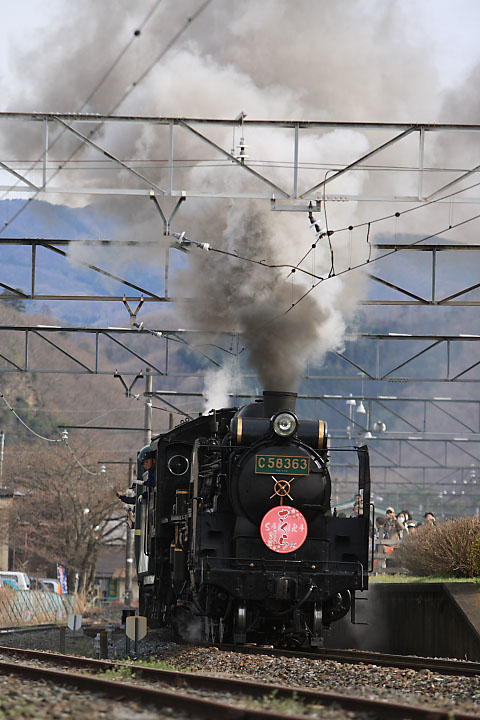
282, 465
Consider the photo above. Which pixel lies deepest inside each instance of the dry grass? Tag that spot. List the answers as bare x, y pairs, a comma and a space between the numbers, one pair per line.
451, 549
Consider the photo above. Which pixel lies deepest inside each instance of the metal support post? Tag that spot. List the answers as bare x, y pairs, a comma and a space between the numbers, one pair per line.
45, 152
62, 640
2, 446
103, 645
148, 406
129, 550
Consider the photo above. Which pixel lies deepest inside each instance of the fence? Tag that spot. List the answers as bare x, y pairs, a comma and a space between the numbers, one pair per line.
33, 607
384, 560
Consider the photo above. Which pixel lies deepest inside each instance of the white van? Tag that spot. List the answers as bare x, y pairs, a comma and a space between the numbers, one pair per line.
17, 580
51, 585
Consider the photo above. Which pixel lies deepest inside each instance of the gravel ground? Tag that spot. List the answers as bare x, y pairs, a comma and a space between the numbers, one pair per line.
400, 685
406, 686
41, 701
75, 643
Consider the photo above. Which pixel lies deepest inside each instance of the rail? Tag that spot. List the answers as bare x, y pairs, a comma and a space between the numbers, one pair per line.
212, 708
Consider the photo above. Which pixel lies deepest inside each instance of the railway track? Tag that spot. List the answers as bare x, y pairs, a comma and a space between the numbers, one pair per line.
184, 690
28, 628
88, 628
354, 657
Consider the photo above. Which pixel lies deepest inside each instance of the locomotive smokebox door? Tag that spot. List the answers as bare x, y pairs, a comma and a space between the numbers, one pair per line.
288, 474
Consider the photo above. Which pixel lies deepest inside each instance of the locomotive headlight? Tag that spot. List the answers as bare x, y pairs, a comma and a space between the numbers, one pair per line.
284, 424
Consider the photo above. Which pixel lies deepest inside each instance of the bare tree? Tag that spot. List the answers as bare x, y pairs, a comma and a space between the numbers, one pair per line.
65, 513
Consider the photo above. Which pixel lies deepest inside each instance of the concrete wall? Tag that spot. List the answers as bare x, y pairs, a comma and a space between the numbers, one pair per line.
5, 505
431, 619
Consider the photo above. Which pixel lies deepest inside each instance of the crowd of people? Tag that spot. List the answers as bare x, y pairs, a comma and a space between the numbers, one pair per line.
395, 526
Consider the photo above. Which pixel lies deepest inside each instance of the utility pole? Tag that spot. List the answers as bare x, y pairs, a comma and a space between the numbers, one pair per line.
129, 551
2, 445
148, 406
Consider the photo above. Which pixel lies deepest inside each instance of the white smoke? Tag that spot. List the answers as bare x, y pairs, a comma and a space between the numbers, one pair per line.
218, 388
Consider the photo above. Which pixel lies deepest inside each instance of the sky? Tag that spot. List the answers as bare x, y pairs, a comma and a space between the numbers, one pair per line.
447, 29
443, 31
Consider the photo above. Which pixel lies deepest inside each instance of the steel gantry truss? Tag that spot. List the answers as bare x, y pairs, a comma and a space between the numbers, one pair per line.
433, 294
397, 147
133, 292
438, 369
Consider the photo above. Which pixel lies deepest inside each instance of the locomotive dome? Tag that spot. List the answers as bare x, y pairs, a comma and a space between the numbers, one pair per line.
272, 403
252, 410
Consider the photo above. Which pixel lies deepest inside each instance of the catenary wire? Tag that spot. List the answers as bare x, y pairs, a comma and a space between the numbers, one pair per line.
356, 267
321, 278
52, 440
116, 106
110, 69
42, 437
369, 223
79, 463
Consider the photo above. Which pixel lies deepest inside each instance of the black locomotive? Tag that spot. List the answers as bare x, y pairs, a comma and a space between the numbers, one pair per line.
236, 541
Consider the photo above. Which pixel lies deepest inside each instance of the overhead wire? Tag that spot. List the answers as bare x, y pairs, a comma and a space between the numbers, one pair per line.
369, 261
42, 437
79, 463
12, 410
99, 84
350, 268
328, 233
331, 274
396, 215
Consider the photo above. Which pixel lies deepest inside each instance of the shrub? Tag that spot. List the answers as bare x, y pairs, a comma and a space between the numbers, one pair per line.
452, 549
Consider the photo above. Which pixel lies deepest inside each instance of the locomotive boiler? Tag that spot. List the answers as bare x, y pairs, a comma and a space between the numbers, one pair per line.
236, 540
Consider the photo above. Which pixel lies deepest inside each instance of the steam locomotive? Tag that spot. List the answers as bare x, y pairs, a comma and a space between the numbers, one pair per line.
236, 540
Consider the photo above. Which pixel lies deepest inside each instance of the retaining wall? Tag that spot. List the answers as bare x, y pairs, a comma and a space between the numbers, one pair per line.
431, 619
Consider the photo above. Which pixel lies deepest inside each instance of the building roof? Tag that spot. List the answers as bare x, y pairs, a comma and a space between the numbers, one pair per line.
110, 559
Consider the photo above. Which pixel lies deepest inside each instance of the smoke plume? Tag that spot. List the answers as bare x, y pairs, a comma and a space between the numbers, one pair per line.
277, 59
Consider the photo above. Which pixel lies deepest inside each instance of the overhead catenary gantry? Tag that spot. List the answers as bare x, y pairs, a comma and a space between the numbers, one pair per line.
389, 143
432, 295
447, 367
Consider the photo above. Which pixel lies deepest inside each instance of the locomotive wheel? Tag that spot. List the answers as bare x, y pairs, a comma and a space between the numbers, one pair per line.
240, 625
241, 620
317, 625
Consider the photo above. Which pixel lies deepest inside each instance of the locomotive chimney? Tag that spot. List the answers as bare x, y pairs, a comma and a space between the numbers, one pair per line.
274, 401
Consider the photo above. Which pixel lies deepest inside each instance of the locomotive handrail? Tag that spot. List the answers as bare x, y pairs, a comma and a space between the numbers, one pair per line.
371, 568
145, 527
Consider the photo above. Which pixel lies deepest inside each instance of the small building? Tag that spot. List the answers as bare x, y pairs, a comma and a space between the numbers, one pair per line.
110, 575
